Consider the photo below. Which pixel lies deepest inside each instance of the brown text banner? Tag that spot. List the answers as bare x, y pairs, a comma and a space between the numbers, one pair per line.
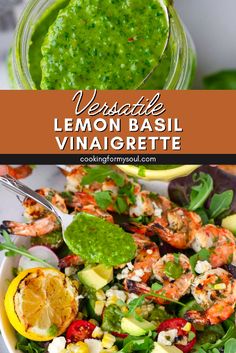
119, 122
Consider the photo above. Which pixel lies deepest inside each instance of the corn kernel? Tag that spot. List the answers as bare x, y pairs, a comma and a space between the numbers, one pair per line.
113, 349
138, 311
100, 295
97, 332
99, 306
79, 347
219, 286
108, 340
187, 327
124, 309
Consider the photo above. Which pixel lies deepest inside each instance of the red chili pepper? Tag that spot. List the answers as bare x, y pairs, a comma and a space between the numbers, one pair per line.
178, 324
79, 330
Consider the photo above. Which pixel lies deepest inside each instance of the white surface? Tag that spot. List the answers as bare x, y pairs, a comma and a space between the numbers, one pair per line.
213, 28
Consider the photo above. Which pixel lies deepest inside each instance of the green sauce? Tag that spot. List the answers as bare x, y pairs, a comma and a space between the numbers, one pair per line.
109, 44
98, 241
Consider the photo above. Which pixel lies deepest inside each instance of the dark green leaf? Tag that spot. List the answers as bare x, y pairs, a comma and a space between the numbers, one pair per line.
200, 191
220, 203
103, 199
223, 80
100, 174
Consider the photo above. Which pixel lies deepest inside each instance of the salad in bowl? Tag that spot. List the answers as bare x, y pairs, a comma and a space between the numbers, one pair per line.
135, 271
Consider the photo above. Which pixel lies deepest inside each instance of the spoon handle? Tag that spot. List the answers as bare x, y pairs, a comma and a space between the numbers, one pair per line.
23, 190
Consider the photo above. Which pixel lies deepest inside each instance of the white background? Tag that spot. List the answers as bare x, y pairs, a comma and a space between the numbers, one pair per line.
212, 25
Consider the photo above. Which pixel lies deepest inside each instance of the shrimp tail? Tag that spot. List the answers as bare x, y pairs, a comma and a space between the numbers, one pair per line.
34, 229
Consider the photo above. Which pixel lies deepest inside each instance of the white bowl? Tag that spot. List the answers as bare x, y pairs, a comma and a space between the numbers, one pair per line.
8, 333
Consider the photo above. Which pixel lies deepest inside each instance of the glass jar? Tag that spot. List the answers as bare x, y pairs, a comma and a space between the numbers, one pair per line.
175, 71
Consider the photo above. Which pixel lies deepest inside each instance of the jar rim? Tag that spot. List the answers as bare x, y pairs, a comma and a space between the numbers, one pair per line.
35, 9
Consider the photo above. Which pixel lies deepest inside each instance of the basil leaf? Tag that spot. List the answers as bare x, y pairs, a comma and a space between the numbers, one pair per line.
225, 80
103, 199
230, 346
200, 191
100, 174
220, 203
121, 205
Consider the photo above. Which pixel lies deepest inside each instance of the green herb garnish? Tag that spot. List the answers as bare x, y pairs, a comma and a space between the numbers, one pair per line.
100, 174
12, 249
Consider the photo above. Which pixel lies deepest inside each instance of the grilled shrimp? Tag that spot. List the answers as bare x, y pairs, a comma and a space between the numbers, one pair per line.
33, 210
177, 227
36, 228
215, 291
173, 288
85, 202
147, 255
220, 242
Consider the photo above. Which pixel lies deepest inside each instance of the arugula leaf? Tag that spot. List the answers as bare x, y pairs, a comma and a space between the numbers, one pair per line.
27, 346
100, 174
200, 191
230, 346
12, 250
103, 199
225, 80
231, 333
137, 344
220, 203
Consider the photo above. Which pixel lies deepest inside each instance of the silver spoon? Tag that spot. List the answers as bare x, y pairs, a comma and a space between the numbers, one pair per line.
23, 190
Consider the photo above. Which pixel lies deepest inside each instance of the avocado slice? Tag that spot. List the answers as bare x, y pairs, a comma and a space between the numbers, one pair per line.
160, 348
96, 277
230, 223
136, 328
